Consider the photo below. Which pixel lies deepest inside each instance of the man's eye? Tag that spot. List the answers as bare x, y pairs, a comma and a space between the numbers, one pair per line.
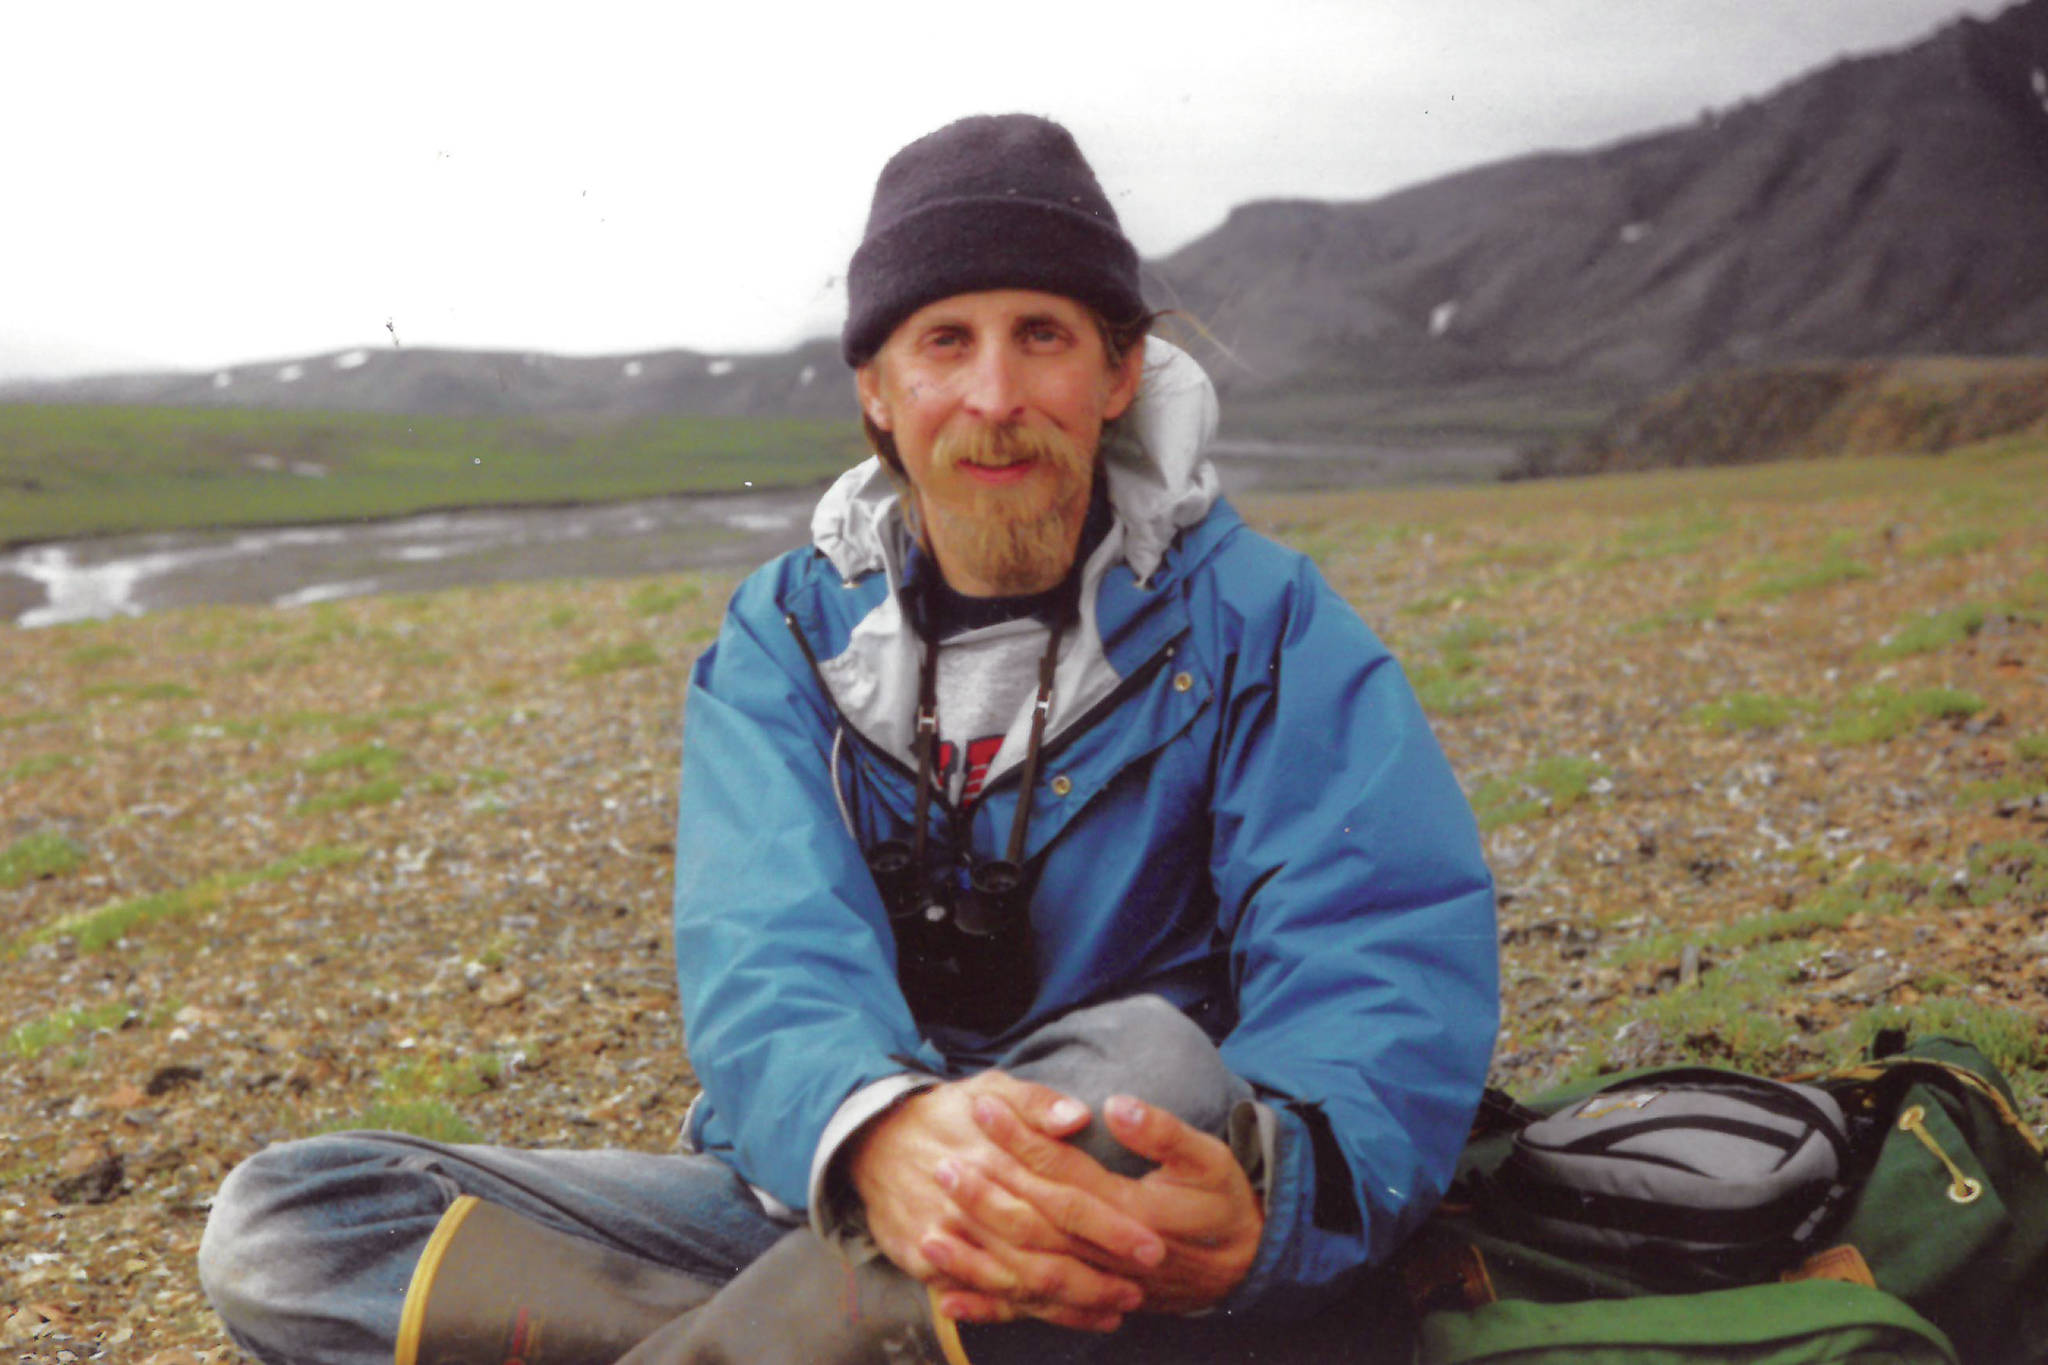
1042, 336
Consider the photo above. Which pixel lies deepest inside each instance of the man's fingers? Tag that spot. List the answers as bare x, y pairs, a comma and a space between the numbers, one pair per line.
1036, 1280
1049, 1216
963, 1306
1187, 1154
1040, 1106
1042, 1156
963, 1263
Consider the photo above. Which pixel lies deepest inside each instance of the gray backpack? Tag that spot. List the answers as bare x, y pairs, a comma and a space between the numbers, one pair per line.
1713, 1171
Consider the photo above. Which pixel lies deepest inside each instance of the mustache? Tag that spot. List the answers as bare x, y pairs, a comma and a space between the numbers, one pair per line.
1000, 445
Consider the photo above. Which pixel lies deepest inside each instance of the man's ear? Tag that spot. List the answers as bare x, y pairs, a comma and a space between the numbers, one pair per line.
1124, 381
867, 382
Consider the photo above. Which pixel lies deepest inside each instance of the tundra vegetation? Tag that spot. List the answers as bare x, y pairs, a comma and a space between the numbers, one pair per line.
1761, 755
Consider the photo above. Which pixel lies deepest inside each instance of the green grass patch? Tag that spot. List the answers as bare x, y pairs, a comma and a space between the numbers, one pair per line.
99, 652
1447, 691
433, 1120
40, 716
1833, 569
42, 765
2011, 787
38, 1035
1550, 786
1875, 889
93, 930
419, 1078
1746, 711
2010, 870
413, 1096
150, 691
1953, 544
371, 759
2012, 1040
2031, 748
1729, 1019
658, 599
376, 792
1456, 598
615, 658
1934, 630
34, 856
1876, 714
318, 858
79, 469
1664, 537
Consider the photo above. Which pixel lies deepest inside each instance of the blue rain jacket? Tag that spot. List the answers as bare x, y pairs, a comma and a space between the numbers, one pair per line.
1240, 807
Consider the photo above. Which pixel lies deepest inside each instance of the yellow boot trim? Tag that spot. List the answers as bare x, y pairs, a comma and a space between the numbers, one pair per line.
943, 1327
413, 1316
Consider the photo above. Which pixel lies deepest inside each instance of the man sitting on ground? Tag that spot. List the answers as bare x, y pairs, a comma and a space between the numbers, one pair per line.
1085, 950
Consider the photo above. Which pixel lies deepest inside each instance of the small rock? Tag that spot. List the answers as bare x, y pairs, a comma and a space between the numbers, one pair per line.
125, 1096
1867, 982
168, 1078
89, 1174
502, 990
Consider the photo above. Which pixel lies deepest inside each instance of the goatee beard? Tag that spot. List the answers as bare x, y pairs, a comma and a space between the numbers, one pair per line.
1012, 540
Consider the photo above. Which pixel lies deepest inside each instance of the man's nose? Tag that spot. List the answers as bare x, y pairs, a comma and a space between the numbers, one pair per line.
995, 387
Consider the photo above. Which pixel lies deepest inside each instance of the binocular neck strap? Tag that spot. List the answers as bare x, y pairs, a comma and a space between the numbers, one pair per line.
927, 744
928, 741
1039, 710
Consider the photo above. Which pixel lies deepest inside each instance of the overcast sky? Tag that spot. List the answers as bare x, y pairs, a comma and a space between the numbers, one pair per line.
196, 184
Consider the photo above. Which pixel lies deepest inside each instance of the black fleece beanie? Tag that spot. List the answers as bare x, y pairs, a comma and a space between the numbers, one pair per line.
1001, 201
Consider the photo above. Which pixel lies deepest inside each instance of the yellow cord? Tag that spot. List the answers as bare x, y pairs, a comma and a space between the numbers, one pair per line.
943, 1327
412, 1318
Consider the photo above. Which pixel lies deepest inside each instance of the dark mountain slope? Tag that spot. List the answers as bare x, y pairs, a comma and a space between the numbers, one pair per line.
1885, 205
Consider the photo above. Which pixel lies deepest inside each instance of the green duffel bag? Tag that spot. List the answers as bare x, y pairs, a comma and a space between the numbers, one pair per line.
1803, 1323
1951, 1212
1941, 1209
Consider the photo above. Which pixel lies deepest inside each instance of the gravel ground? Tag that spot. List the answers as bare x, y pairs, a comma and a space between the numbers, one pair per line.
1762, 755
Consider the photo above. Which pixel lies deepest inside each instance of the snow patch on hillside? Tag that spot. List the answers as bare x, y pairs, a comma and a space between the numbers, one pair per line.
719, 367
223, 379
1631, 233
1441, 317
291, 374
632, 369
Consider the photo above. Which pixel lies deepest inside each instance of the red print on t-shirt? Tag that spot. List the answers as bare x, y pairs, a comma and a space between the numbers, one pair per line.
980, 753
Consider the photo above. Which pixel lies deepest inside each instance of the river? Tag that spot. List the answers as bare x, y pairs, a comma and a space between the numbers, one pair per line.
105, 576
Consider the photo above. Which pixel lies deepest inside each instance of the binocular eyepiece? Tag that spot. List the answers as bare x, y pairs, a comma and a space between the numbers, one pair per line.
963, 936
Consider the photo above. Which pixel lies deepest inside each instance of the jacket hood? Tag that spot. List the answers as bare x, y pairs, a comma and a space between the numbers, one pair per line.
1155, 457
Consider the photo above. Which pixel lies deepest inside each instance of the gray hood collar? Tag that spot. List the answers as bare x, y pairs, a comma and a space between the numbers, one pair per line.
1160, 478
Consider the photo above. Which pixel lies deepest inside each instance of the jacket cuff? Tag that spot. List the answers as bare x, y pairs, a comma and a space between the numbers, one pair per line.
1287, 1190
836, 1213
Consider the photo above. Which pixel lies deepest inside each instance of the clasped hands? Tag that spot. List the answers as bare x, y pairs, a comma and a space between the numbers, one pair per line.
970, 1187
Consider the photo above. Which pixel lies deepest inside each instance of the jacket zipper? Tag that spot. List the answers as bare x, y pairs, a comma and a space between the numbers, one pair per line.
1109, 703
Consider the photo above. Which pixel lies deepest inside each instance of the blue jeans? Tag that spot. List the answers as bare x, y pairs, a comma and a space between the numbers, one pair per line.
311, 1244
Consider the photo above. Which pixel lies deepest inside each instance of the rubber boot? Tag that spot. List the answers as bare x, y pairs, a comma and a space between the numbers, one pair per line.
496, 1288
802, 1303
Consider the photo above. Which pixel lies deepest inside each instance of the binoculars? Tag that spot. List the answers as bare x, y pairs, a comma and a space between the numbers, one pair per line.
963, 936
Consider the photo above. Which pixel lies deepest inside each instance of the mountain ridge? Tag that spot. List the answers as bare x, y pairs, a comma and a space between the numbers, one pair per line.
1885, 204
